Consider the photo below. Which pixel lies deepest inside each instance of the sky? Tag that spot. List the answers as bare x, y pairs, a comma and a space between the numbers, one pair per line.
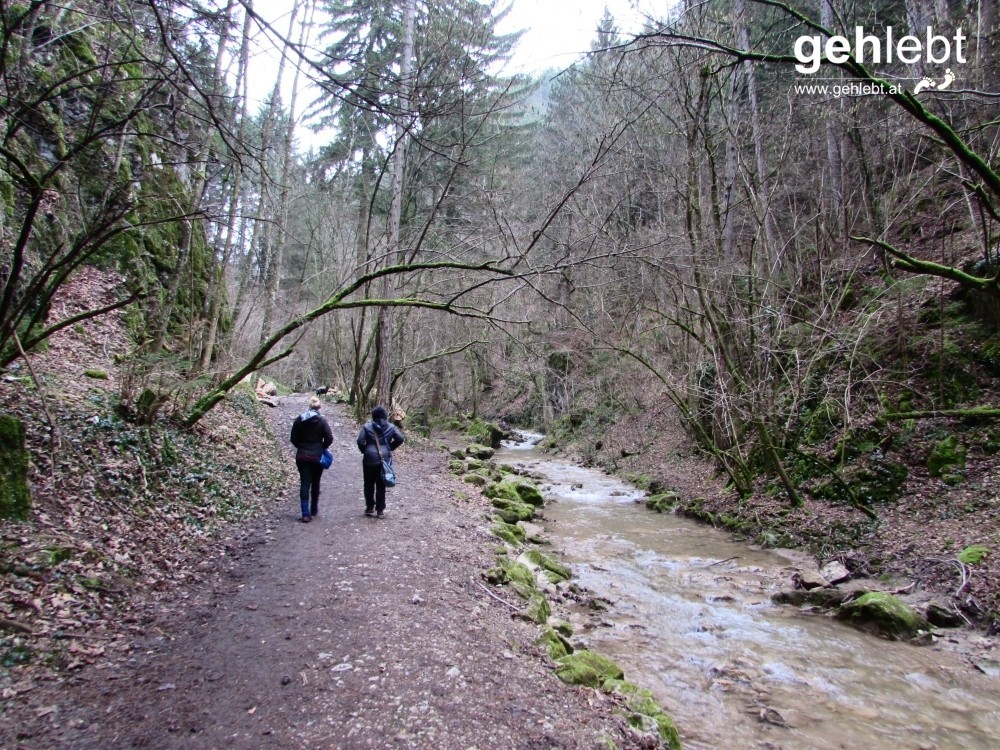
557, 32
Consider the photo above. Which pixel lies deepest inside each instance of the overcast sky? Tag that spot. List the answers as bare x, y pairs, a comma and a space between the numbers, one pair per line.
559, 31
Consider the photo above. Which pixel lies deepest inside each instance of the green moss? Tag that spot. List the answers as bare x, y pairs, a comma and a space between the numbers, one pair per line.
556, 571
555, 645
456, 467
537, 609
485, 433
517, 490
884, 615
15, 497
475, 479
512, 511
481, 452
974, 554
512, 533
946, 457
588, 668
662, 502
96, 374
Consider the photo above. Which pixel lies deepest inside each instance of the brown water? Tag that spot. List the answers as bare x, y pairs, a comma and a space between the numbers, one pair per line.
692, 620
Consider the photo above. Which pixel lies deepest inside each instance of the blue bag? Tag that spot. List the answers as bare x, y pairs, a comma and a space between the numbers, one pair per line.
326, 459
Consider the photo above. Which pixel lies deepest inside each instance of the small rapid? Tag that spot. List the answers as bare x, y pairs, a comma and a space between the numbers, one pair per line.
691, 618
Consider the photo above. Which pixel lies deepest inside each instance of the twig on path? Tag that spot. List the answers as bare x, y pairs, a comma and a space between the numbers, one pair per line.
498, 598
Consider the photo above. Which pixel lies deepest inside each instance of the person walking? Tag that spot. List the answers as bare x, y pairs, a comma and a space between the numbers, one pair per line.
311, 435
376, 441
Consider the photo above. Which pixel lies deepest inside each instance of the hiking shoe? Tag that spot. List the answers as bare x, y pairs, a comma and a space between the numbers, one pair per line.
306, 519
380, 515
369, 513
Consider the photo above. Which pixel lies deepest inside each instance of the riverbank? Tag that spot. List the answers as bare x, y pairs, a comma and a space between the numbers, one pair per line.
916, 539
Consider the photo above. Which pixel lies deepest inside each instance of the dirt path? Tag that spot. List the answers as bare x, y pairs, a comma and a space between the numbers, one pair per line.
348, 632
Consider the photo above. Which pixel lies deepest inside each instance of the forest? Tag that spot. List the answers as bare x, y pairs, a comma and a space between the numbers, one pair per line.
771, 224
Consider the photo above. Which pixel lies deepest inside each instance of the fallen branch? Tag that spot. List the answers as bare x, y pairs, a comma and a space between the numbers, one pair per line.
500, 599
18, 626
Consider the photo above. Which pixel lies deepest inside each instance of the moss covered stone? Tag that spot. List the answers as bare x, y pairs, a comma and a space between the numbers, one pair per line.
663, 502
481, 452
516, 489
555, 645
475, 479
555, 571
585, 667
511, 533
15, 497
946, 457
537, 609
513, 510
884, 615
456, 467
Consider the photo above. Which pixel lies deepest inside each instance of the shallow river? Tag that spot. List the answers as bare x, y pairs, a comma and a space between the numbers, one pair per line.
691, 619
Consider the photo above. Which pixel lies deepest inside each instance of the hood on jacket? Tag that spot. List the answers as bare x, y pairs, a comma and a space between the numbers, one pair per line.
307, 415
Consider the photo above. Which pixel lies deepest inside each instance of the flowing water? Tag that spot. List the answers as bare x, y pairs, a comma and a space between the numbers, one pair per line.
691, 619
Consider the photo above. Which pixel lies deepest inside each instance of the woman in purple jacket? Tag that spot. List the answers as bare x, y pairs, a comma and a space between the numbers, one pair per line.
311, 435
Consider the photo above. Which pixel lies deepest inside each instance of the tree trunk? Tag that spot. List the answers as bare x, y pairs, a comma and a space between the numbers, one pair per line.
395, 254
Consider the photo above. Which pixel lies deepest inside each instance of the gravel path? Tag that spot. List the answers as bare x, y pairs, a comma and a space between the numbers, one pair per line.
348, 632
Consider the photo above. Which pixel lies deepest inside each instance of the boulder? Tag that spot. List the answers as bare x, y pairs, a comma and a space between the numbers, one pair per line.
835, 572
479, 451
809, 580
554, 571
585, 667
941, 616
884, 615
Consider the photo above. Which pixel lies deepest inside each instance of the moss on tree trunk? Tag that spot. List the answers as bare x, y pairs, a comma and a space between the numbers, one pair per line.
15, 497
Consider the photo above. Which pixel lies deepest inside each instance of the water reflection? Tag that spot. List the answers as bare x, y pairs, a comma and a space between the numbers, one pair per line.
692, 619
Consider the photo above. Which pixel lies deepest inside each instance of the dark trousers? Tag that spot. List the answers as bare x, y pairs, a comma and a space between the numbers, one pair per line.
309, 476
374, 488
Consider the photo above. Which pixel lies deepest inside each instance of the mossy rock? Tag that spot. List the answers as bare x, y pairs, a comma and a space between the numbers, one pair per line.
475, 464
537, 609
486, 433
96, 374
884, 615
509, 516
476, 479
555, 571
481, 452
663, 502
562, 627
512, 509
528, 491
511, 533
516, 489
588, 668
456, 467
647, 715
974, 554
946, 457
458, 453
510, 571
554, 643
15, 496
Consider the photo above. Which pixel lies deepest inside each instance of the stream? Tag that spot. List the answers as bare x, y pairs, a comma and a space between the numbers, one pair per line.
691, 619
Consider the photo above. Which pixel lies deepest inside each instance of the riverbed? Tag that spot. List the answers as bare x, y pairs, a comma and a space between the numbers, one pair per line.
690, 617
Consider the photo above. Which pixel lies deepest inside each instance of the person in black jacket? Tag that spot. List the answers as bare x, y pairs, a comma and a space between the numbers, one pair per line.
311, 435
375, 435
